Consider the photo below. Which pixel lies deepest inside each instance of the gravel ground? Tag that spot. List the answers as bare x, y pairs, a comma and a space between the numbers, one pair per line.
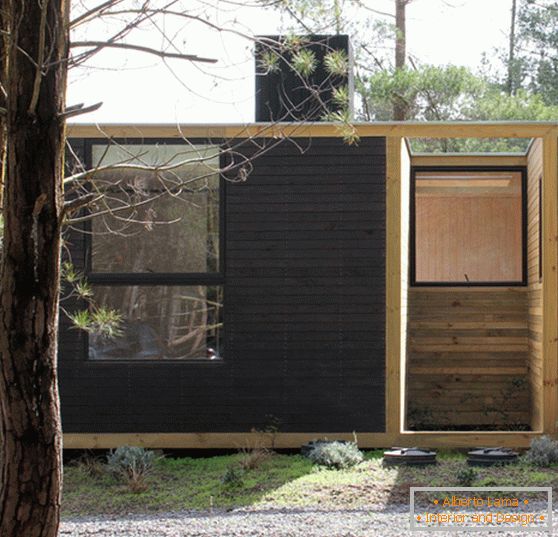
392, 522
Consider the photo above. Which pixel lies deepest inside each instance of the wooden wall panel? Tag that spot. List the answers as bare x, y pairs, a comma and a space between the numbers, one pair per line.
405, 268
534, 177
304, 311
549, 406
467, 358
479, 236
397, 221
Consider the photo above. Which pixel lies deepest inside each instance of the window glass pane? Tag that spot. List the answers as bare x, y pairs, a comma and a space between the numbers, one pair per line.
164, 221
161, 322
468, 226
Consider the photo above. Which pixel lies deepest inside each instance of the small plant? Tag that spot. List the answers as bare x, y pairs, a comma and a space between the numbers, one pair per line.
131, 465
269, 62
337, 62
543, 452
252, 458
90, 465
466, 477
232, 477
304, 62
99, 321
340, 97
338, 455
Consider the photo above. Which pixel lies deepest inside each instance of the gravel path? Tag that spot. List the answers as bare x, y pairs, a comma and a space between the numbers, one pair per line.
393, 522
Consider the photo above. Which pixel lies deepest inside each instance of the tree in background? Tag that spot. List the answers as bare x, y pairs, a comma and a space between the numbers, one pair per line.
521, 84
535, 61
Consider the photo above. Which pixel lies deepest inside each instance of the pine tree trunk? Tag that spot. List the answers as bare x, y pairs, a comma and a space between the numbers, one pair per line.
400, 107
510, 89
30, 271
4, 43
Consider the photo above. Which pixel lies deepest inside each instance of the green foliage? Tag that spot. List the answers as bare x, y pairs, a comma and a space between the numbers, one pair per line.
337, 455
83, 289
292, 43
340, 96
81, 319
428, 93
543, 452
337, 62
102, 321
537, 49
69, 272
344, 124
232, 477
131, 465
304, 62
466, 477
269, 62
496, 105
94, 319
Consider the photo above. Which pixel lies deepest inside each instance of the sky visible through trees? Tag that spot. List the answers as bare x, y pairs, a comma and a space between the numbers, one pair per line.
137, 88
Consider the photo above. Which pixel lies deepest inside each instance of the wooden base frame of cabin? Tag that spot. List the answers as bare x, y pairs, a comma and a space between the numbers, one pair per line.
411, 299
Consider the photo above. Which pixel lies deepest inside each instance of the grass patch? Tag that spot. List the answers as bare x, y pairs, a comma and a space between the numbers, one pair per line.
178, 484
276, 480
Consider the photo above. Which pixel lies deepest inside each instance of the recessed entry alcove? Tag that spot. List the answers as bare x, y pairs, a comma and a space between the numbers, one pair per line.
471, 268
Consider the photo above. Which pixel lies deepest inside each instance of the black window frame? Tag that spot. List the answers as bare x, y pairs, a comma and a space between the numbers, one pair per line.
412, 226
165, 279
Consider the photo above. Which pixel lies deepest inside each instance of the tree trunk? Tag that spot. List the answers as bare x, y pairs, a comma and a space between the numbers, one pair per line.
400, 107
4, 44
30, 271
511, 54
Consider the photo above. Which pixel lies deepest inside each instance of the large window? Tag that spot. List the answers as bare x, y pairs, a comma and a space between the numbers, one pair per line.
155, 251
469, 227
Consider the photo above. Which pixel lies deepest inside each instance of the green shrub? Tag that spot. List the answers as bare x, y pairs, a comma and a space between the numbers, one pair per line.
232, 477
338, 455
543, 452
466, 477
131, 465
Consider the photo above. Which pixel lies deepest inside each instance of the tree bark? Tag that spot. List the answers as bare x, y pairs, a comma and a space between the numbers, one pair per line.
510, 89
399, 107
4, 44
30, 270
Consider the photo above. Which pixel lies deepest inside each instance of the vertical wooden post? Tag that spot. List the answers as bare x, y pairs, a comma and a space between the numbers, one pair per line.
550, 283
393, 284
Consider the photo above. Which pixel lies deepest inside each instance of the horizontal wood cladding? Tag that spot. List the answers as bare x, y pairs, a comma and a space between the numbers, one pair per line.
305, 281
535, 361
304, 310
468, 358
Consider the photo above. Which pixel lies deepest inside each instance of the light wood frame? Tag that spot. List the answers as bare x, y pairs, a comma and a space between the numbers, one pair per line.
434, 129
293, 440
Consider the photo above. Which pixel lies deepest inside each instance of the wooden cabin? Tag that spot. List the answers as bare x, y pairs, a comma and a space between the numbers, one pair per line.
408, 298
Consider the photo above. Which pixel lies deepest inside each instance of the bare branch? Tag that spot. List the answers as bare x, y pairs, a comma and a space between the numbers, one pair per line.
40, 60
79, 109
94, 12
123, 32
140, 48
71, 206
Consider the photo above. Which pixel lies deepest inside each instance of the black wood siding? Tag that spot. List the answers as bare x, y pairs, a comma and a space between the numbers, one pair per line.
304, 311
